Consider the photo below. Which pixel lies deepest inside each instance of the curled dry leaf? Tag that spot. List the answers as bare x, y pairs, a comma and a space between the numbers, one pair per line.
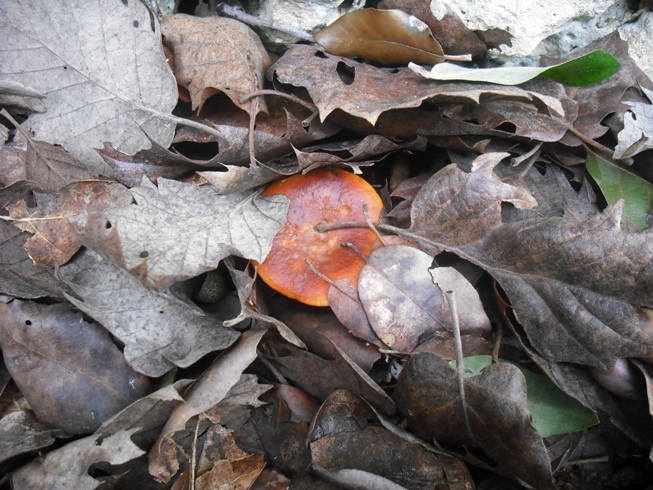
70, 371
215, 54
21, 432
391, 37
405, 304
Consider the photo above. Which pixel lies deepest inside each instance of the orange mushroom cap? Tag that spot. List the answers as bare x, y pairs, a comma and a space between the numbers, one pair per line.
321, 195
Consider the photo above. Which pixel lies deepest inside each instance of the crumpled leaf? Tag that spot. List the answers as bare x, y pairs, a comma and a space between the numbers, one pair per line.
76, 457
102, 69
366, 92
159, 330
587, 69
405, 303
215, 54
493, 418
616, 182
54, 242
19, 99
637, 135
175, 231
570, 283
70, 371
391, 37
210, 389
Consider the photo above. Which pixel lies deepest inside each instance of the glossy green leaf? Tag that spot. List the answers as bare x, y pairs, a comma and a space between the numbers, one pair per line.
390, 37
553, 411
584, 70
617, 181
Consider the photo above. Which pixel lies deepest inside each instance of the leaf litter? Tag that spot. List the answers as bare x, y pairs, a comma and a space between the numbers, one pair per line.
129, 239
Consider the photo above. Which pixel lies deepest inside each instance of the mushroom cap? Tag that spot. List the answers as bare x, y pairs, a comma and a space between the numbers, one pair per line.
323, 195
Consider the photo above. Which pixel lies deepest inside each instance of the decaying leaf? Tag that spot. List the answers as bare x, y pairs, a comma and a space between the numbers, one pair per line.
21, 432
159, 330
102, 70
54, 242
391, 37
210, 389
492, 417
350, 447
366, 92
637, 135
76, 457
70, 371
570, 283
175, 231
405, 303
215, 54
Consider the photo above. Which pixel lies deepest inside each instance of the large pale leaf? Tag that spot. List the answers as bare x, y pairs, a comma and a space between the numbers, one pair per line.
585, 70
101, 67
391, 37
575, 286
159, 330
637, 134
176, 231
617, 181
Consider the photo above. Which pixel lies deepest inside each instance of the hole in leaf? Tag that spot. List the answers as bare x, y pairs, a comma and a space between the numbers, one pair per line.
144, 254
320, 54
28, 322
393, 70
508, 127
108, 225
346, 73
198, 151
136, 24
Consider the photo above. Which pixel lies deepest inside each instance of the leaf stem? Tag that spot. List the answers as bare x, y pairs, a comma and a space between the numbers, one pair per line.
229, 11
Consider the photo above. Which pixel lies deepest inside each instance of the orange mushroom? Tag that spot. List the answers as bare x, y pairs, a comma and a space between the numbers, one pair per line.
332, 195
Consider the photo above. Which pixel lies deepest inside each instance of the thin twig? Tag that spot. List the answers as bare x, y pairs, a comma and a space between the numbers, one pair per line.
331, 283
291, 97
229, 11
253, 111
193, 456
460, 366
371, 225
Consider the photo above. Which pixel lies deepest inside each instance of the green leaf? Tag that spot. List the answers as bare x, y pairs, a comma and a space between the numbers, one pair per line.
585, 70
553, 411
617, 181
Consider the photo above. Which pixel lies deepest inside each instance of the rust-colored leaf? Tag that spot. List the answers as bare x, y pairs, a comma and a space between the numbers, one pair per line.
213, 55
391, 37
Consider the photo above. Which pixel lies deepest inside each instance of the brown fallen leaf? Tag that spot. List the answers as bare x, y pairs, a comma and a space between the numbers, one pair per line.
448, 29
405, 303
21, 432
493, 416
366, 92
54, 241
215, 54
391, 37
70, 371
570, 283
350, 447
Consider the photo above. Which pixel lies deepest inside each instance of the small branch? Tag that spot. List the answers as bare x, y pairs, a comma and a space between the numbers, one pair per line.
371, 225
253, 111
293, 98
457, 57
460, 366
331, 283
229, 11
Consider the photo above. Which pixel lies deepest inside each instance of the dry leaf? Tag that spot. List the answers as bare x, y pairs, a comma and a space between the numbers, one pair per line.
391, 37
175, 231
215, 54
101, 68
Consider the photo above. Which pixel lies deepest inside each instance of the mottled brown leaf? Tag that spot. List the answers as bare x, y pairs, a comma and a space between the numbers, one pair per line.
366, 92
215, 54
493, 418
571, 283
391, 37
70, 371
